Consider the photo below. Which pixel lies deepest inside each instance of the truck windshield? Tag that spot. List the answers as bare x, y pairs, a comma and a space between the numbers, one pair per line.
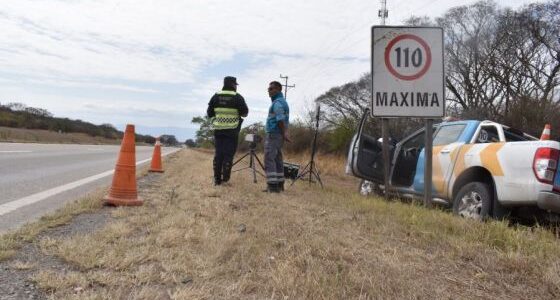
448, 134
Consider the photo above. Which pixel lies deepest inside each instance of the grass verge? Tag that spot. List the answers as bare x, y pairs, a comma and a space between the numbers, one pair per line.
22, 135
10, 242
194, 241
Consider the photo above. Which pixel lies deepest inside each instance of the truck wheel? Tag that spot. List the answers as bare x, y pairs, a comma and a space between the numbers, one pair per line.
474, 201
368, 188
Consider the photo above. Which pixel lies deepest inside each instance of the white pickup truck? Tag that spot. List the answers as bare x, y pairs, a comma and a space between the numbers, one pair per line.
480, 168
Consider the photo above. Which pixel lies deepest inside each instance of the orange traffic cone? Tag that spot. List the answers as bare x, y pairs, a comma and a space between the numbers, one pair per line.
156, 158
123, 190
545, 136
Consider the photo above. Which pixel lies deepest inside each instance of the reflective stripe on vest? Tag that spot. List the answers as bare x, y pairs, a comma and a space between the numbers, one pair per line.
232, 93
226, 118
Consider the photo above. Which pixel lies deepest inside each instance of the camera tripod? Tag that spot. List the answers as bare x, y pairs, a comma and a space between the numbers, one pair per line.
311, 168
252, 154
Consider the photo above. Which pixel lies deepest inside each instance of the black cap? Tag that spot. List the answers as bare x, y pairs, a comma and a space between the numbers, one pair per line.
230, 80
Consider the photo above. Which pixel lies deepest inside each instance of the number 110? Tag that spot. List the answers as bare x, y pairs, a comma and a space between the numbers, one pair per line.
416, 57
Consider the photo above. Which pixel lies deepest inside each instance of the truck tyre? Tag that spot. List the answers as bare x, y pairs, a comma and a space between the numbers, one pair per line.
365, 188
473, 201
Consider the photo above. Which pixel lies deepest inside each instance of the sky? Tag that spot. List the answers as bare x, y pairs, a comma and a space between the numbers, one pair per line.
156, 64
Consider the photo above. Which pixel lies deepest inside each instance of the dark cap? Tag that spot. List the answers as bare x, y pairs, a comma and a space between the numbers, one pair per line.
230, 80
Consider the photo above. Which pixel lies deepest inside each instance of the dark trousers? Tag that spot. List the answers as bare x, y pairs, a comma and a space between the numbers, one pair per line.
273, 162
226, 145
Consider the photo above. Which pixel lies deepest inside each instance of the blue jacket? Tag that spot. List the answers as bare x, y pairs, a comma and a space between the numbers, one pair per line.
278, 111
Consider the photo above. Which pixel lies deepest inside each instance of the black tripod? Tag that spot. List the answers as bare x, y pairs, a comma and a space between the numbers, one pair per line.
252, 158
311, 168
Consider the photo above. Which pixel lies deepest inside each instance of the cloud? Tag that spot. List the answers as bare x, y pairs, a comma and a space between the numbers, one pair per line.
162, 60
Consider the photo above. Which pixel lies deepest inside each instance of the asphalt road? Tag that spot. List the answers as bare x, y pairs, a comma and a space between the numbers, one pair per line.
36, 179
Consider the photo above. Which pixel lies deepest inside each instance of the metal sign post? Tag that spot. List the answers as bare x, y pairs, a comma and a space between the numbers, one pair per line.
408, 81
428, 165
386, 156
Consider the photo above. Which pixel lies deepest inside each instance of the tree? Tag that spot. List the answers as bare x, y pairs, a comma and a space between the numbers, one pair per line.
190, 143
169, 140
205, 134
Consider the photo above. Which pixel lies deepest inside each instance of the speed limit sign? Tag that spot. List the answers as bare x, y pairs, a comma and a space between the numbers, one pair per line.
407, 72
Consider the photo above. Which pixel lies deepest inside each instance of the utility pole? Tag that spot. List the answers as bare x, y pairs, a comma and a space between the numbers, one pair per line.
383, 12
286, 86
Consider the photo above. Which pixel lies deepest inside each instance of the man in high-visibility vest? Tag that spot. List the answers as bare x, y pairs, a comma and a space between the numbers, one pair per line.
226, 108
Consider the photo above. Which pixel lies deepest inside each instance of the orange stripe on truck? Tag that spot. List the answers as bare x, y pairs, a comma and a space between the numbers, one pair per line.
489, 159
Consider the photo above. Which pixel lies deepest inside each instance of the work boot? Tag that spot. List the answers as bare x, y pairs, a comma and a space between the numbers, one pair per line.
272, 188
217, 174
281, 186
227, 171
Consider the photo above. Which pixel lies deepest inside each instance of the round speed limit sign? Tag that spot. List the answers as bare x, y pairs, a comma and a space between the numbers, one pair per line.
408, 57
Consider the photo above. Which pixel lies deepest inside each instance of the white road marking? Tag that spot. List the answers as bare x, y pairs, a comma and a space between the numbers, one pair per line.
19, 203
16, 151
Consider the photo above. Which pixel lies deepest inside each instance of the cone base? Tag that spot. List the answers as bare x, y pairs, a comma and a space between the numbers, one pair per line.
108, 200
156, 170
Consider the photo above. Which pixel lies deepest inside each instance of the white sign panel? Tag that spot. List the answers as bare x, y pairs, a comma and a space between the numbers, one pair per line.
407, 72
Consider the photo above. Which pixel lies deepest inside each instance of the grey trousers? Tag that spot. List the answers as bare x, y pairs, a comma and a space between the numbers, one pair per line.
273, 163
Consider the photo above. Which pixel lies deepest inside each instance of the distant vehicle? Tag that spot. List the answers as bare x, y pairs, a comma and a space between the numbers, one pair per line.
480, 169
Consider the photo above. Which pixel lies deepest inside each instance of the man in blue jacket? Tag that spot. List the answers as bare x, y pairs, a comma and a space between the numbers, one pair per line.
276, 133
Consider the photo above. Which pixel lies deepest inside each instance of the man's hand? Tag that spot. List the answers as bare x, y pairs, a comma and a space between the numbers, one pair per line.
284, 131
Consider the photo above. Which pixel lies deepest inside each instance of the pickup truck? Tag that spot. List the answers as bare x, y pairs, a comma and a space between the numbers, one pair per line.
480, 168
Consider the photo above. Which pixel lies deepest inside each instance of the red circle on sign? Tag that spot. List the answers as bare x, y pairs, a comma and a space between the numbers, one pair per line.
410, 37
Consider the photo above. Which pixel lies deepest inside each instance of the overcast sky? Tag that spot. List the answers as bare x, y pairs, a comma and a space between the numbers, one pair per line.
156, 63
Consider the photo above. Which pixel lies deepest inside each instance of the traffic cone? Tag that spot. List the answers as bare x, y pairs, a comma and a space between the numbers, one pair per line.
545, 136
156, 158
123, 190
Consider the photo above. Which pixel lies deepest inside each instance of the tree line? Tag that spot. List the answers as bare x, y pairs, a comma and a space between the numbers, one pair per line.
18, 115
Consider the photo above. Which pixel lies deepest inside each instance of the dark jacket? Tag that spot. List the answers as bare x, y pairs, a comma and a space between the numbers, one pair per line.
228, 101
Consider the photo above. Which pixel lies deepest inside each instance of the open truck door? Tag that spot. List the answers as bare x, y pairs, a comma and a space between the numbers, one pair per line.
365, 157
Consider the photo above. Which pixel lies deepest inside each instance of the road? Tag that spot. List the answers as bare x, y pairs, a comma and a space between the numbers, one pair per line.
36, 179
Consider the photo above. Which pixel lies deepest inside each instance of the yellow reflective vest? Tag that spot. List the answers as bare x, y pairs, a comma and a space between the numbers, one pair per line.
226, 117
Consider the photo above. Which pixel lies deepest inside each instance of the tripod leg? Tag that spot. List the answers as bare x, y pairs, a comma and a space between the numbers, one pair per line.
260, 164
242, 157
253, 168
316, 174
303, 172
259, 161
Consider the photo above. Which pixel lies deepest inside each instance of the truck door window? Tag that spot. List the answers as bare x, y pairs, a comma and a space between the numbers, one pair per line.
448, 134
514, 135
407, 158
488, 134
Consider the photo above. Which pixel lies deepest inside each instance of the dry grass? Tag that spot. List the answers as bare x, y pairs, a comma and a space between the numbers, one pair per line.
12, 241
21, 265
21, 135
331, 165
193, 241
